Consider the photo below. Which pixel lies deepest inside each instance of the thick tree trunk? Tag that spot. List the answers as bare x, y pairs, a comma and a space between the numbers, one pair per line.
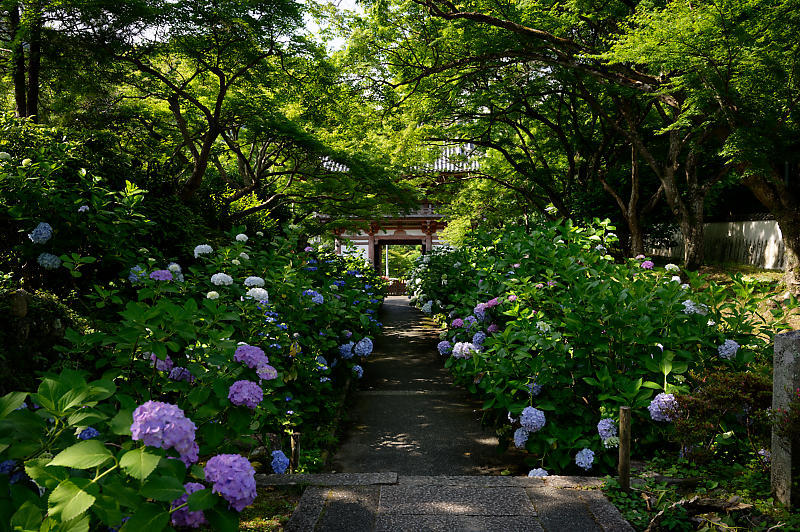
17, 61
34, 62
790, 229
200, 164
637, 238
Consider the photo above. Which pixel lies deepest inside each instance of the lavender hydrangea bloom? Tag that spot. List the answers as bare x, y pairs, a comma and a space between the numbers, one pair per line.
280, 463
647, 265
88, 433
358, 370
521, 437
161, 365
493, 328
181, 374
48, 261
457, 323
480, 311
41, 234
250, 355
463, 350
184, 516
254, 281
538, 472
512, 298
444, 347
478, 338
83, 208
607, 428
585, 458
266, 372
233, 478
247, 393
470, 321
492, 302
164, 425
663, 407
728, 349
161, 275
363, 347
532, 419
346, 350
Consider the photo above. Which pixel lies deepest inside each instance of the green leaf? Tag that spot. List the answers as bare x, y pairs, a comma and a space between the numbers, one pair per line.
79, 524
10, 402
149, 517
202, 500
222, 519
49, 477
138, 463
83, 455
162, 488
121, 423
651, 384
27, 518
85, 416
101, 389
72, 497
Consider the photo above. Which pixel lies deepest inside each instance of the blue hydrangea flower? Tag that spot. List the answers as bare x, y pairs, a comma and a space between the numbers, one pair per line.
478, 338
728, 349
324, 379
280, 463
48, 261
358, 370
663, 407
363, 347
136, 274
444, 347
41, 234
534, 389
7, 466
521, 437
316, 297
346, 350
538, 472
339, 283
88, 433
585, 458
607, 428
532, 419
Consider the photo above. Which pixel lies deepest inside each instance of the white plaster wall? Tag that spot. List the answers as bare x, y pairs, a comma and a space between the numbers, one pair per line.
757, 243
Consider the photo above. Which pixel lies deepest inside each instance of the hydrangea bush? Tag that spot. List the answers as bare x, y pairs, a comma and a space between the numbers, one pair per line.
182, 384
547, 322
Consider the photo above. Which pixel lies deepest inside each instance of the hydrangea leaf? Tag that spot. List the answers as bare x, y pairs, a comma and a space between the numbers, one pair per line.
222, 519
121, 423
138, 463
149, 517
72, 497
27, 518
83, 455
49, 477
10, 402
162, 488
202, 500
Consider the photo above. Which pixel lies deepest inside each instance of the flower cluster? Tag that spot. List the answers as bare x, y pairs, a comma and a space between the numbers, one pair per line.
538, 472
463, 350
585, 458
48, 261
41, 234
280, 463
254, 281
179, 373
184, 516
221, 279
212, 295
346, 350
663, 407
358, 370
250, 355
607, 428
161, 365
266, 372
259, 294
136, 274
164, 425
690, 307
478, 338
728, 349
88, 433
672, 267
161, 275
247, 393
241, 237
202, 249
444, 347
316, 297
233, 478
521, 437
363, 347
457, 323
647, 265
532, 419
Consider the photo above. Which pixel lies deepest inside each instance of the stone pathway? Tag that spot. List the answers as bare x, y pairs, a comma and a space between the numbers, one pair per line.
417, 458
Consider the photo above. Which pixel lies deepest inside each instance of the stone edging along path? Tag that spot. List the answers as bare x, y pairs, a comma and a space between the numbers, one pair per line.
391, 502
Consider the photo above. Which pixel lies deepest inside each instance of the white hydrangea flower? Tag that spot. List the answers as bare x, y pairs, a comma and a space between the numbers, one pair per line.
711, 323
244, 255
685, 286
254, 281
202, 249
676, 278
672, 267
235, 262
259, 294
220, 279
241, 237
543, 326
174, 267
259, 233
212, 295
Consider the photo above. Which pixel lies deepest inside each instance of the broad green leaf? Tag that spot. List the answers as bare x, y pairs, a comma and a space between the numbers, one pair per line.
27, 518
101, 389
121, 423
79, 524
222, 519
139, 463
83, 455
148, 517
49, 477
162, 488
202, 500
72, 497
10, 402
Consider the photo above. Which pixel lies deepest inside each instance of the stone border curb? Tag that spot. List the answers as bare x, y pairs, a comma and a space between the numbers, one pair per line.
328, 479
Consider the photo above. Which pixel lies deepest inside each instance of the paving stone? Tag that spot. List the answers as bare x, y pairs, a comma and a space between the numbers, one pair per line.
562, 510
308, 510
457, 523
454, 500
328, 479
350, 508
473, 481
555, 481
605, 513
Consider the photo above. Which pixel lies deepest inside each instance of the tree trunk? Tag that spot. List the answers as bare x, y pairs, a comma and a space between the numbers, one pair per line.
790, 229
637, 239
200, 164
17, 61
34, 62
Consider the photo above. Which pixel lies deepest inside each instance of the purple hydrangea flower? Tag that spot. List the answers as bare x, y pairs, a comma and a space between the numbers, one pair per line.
280, 463
521, 437
250, 355
363, 347
161, 365
346, 350
532, 419
585, 458
247, 393
41, 234
308, 248
458, 322
233, 478
266, 372
444, 347
607, 428
647, 265
164, 425
493, 328
161, 275
358, 370
728, 349
184, 516
463, 350
181, 374
512, 298
480, 311
492, 302
470, 321
88, 433
662, 407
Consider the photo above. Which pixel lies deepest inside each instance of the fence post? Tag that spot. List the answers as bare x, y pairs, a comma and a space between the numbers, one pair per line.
625, 447
785, 380
295, 441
